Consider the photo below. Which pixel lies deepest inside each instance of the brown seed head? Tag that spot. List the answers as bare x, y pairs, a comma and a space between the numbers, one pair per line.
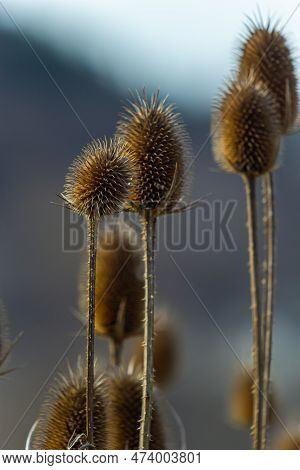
98, 181
119, 284
124, 414
246, 129
265, 50
62, 415
155, 134
241, 400
165, 353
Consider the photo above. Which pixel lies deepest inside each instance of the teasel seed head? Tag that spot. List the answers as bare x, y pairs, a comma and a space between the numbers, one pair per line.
124, 414
98, 182
265, 50
119, 290
246, 128
63, 414
155, 134
165, 352
241, 400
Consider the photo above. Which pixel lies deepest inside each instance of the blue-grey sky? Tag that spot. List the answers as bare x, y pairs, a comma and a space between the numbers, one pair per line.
184, 47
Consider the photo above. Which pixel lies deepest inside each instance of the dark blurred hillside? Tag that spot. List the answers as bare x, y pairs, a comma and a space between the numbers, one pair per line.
39, 136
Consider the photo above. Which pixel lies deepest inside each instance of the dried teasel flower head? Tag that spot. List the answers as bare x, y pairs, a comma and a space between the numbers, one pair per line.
124, 413
265, 50
241, 400
98, 182
155, 134
119, 290
63, 416
165, 352
246, 128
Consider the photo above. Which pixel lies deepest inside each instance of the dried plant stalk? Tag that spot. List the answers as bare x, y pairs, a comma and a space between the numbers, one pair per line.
268, 314
155, 135
266, 50
255, 305
97, 184
92, 247
241, 400
119, 293
165, 352
246, 142
147, 398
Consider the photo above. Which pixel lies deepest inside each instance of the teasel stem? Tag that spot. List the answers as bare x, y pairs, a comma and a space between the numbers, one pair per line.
268, 187
92, 247
147, 398
255, 306
115, 351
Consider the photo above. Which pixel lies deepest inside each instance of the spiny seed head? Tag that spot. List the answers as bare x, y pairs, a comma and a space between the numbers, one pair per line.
165, 353
63, 414
241, 400
155, 134
99, 179
265, 50
119, 293
124, 414
246, 128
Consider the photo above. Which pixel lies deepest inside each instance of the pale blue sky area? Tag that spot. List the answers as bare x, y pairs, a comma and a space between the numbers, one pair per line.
184, 47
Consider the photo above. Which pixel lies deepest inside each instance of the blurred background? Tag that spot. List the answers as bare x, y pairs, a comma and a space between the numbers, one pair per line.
65, 71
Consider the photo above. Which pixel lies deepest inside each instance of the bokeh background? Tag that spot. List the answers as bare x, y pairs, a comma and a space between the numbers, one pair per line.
65, 70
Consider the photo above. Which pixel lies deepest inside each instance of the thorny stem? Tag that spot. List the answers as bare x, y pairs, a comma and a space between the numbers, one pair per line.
92, 247
147, 399
268, 314
255, 306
